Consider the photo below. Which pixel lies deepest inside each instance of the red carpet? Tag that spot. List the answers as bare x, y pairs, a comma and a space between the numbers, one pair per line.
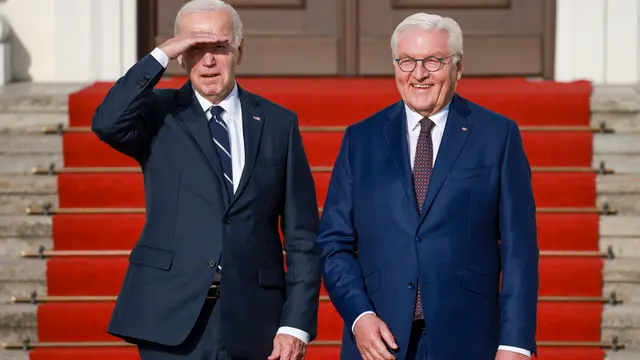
543, 149
96, 231
127, 189
313, 353
88, 321
96, 275
529, 103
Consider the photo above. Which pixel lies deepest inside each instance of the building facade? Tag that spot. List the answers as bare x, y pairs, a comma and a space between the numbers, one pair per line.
98, 40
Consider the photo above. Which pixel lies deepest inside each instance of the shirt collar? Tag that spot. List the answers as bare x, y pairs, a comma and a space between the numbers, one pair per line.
413, 118
230, 104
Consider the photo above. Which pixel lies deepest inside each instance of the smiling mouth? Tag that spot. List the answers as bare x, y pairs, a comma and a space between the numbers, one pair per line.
422, 86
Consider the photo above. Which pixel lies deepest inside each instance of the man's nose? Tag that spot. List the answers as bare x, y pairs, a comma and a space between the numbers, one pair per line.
420, 72
209, 59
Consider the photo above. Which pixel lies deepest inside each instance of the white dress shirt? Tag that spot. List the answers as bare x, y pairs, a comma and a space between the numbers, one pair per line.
232, 116
413, 131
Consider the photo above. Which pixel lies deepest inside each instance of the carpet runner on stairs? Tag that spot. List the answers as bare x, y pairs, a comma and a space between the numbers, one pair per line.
101, 204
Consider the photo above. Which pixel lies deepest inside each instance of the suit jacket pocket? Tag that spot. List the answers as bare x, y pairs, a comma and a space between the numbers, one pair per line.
471, 172
151, 257
479, 283
271, 277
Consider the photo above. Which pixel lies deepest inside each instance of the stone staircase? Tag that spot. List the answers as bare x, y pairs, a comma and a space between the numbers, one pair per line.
25, 108
619, 108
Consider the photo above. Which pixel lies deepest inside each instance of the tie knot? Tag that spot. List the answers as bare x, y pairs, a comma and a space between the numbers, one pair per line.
215, 111
426, 124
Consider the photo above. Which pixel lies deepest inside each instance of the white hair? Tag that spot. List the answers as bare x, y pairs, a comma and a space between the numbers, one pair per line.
431, 22
210, 5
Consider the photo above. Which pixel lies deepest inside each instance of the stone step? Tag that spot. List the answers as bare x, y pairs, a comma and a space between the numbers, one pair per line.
25, 226
17, 192
24, 163
14, 355
30, 122
620, 226
624, 354
617, 106
622, 276
619, 143
30, 97
14, 246
620, 191
621, 246
623, 322
30, 144
20, 277
18, 321
620, 163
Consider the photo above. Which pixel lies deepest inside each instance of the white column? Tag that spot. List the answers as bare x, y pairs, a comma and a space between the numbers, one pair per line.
622, 41
5, 51
598, 40
95, 40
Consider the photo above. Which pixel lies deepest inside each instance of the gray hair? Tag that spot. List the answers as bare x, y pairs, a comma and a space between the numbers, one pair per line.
210, 5
431, 22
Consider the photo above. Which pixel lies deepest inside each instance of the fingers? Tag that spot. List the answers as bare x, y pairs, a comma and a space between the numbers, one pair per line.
373, 347
287, 348
388, 337
275, 354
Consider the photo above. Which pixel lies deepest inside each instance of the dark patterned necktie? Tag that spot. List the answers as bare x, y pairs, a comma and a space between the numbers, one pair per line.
220, 134
422, 169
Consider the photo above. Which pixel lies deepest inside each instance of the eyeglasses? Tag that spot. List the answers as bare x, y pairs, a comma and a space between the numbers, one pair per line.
430, 63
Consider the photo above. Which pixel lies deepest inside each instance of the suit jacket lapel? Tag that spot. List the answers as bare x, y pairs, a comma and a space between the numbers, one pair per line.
252, 124
456, 133
395, 132
193, 116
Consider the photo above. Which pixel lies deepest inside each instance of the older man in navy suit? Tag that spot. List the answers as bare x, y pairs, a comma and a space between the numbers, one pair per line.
223, 168
430, 202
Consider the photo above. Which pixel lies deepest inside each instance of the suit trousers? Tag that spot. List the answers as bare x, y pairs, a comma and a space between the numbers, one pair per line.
203, 343
418, 348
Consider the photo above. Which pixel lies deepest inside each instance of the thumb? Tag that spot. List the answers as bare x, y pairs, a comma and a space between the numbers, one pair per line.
388, 336
275, 354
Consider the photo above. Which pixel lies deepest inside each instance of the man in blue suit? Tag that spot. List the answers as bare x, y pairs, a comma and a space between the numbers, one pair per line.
223, 168
430, 203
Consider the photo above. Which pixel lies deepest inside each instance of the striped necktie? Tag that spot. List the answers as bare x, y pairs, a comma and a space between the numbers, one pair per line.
220, 135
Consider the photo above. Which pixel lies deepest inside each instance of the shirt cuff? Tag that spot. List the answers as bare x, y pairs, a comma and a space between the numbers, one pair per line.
302, 335
515, 349
161, 56
358, 318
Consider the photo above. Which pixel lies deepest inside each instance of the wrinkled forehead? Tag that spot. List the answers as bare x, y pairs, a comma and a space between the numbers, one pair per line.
218, 22
422, 43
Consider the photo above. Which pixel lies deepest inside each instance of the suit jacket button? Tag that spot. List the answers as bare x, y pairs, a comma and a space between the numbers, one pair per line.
212, 264
411, 286
419, 238
226, 220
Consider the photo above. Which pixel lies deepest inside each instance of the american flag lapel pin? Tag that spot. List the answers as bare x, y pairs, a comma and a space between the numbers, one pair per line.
257, 118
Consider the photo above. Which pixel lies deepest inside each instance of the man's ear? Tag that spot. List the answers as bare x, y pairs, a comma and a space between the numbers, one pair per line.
460, 68
240, 51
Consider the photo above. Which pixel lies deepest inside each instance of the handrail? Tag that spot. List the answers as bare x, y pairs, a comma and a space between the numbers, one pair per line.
48, 209
44, 253
60, 129
36, 299
27, 345
52, 170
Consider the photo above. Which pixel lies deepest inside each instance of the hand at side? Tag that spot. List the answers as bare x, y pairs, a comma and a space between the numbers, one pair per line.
372, 338
287, 347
